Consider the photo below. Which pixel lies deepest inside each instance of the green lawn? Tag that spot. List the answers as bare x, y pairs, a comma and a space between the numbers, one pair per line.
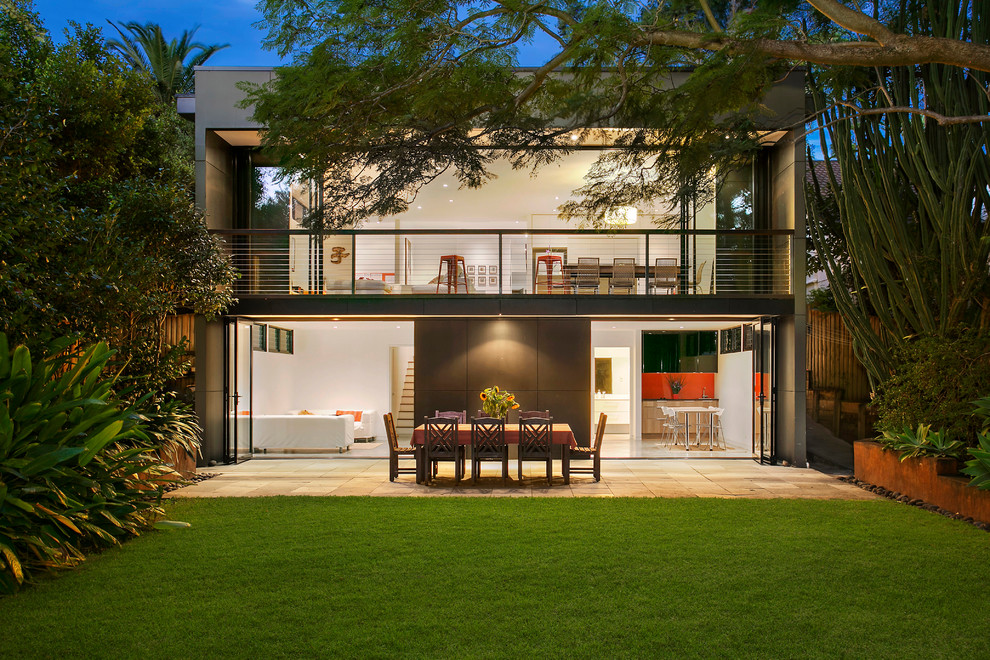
470, 578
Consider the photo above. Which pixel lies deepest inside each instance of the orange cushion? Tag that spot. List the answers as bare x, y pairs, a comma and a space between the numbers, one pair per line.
356, 413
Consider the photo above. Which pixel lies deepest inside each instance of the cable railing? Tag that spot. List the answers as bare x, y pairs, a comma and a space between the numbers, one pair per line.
511, 262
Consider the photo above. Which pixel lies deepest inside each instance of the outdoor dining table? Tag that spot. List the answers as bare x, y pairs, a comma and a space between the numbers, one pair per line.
561, 434
698, 411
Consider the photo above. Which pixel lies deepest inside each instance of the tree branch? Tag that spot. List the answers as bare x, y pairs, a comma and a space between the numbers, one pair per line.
941, 119
903, 51
853, 20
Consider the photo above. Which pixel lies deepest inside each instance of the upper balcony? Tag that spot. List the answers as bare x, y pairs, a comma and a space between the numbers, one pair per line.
628, 263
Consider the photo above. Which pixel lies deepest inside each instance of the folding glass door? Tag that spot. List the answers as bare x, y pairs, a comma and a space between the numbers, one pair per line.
238, 351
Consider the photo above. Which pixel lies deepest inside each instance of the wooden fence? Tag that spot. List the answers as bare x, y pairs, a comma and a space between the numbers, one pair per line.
838, 386
179, 327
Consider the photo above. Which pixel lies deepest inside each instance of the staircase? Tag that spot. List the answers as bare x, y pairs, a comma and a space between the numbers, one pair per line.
404, 421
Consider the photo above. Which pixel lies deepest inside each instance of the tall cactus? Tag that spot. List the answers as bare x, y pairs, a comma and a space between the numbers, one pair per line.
914, 195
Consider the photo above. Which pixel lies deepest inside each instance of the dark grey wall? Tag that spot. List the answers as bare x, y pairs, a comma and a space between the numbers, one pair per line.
546, 363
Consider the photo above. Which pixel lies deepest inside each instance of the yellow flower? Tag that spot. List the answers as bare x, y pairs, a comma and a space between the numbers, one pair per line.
512, 397
482, 395
496, 389
514, 406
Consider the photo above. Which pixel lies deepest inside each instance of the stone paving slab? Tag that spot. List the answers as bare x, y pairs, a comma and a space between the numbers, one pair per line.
724, 478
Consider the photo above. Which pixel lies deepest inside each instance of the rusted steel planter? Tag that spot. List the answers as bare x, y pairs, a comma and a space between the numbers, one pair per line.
933, 480
180, 461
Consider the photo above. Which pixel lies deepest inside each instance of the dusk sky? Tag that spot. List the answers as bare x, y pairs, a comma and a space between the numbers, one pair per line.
220, 21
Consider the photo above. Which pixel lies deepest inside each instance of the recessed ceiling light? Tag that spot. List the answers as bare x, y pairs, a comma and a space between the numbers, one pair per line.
451, 201
445, 185
334, 327
419, 207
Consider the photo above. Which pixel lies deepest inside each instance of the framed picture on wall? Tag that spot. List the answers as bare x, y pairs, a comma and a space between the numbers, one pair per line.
730, 340
470, 270
492, 281
747, 337
481, 270
493, 270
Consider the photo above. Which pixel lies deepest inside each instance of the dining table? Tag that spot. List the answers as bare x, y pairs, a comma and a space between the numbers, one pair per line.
560, 434
697, 411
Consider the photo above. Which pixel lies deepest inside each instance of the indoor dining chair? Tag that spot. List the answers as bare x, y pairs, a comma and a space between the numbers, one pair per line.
588, 274
623, 275
665, 275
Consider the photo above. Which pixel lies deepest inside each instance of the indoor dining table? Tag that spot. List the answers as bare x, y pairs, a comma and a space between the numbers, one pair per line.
561, 434
698, 411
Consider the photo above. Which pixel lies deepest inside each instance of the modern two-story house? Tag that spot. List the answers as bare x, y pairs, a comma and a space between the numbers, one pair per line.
692, 305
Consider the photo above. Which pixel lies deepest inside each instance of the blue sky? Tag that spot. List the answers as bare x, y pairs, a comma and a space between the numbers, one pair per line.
220, 21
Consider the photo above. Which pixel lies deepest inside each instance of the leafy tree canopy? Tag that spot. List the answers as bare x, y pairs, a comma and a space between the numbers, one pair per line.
99, 236
385, 95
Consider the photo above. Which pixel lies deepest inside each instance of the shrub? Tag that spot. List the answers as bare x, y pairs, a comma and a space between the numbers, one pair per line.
935, 381
74, 461
979, 467
923, 442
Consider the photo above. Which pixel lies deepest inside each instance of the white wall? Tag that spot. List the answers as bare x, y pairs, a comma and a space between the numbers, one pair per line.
734, 385
336, 365
603, 335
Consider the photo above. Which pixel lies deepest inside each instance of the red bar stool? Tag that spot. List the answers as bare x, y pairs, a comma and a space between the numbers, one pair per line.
548, 260
453, 262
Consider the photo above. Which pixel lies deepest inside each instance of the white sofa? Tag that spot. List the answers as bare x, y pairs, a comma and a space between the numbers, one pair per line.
366, 430
303, 432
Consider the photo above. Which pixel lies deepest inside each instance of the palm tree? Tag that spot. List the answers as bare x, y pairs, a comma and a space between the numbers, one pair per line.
145, 48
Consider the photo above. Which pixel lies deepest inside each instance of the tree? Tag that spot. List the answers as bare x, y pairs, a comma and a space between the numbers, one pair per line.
145, 48
99, 235
396, 92
914, 246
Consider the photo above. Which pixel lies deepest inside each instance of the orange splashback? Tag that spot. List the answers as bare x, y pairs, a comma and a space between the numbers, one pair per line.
655, 386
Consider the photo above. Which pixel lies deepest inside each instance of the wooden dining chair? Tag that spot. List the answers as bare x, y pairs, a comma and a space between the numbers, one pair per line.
592, 453
488, 444
536, 444
441, 444
395, 452
530, 414
461, 415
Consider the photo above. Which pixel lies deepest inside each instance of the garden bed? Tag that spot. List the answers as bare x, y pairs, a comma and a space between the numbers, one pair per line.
933, 480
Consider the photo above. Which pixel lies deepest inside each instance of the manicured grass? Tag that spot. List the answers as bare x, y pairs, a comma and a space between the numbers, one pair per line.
466, 578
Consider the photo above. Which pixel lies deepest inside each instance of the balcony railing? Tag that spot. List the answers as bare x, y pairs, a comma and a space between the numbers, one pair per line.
511, 262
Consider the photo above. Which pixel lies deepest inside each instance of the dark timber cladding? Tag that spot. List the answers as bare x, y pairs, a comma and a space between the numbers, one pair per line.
545, 362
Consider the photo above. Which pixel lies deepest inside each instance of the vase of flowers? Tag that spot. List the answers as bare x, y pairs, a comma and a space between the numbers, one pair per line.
676, 385
496, 402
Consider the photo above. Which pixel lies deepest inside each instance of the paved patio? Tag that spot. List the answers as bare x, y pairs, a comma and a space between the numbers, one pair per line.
730, 478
